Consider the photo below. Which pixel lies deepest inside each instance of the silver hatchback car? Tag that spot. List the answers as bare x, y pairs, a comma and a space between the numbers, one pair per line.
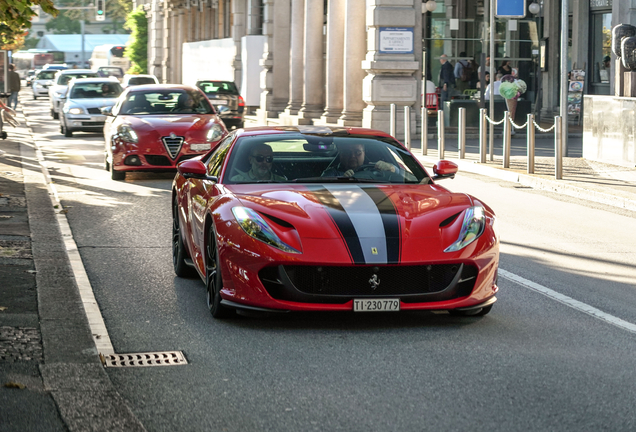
82, 108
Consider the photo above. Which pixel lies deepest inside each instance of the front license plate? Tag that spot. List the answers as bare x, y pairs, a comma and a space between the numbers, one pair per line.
376, 305
200, 147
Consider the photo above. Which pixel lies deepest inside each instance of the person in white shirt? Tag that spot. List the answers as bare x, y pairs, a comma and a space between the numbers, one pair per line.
496, 85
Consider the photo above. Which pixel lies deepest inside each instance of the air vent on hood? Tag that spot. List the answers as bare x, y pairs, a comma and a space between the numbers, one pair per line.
173, 145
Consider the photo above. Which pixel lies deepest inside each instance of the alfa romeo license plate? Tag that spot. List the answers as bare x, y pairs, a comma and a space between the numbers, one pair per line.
376, 305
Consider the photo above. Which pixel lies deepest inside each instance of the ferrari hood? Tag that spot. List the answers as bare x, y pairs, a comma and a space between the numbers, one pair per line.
374, 220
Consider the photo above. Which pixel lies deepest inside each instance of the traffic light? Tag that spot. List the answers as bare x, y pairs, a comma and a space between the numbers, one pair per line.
99, 10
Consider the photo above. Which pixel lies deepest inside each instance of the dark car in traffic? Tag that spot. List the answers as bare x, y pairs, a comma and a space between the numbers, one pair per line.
227, 100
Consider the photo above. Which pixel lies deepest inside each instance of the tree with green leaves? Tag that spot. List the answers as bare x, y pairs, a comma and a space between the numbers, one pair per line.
137, 47
15, 19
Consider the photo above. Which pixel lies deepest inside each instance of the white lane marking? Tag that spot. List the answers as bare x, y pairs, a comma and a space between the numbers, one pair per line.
568, 301
94, 315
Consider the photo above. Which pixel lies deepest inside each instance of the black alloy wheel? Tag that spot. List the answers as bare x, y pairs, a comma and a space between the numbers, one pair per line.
179, 253
213, 279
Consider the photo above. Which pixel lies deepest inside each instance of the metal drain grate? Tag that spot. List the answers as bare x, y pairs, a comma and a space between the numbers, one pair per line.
165, 358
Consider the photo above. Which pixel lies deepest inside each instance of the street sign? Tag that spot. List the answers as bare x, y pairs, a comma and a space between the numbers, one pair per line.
511, 8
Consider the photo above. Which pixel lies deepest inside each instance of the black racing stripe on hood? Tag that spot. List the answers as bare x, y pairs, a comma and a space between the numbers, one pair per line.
342, 221
390, 220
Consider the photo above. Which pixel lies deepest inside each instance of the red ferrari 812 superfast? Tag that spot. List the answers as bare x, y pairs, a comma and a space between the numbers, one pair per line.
299, 218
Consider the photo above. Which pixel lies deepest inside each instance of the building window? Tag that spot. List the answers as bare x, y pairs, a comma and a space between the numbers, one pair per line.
601, 43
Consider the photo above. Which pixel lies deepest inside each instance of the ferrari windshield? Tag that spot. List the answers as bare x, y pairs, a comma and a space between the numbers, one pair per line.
305, 158
163, 101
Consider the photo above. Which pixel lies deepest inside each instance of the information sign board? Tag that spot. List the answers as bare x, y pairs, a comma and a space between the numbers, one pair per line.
511, 8
396, 40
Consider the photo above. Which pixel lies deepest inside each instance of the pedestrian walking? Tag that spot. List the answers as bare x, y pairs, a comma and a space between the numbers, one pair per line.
14, 86
446, 79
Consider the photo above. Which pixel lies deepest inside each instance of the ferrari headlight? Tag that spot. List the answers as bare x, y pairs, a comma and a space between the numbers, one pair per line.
215, 133
472, 227
76, 111
127, 133
255, 226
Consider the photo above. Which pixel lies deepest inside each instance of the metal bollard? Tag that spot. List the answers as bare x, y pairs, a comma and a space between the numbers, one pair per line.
461, 133
507, 136
392, 121
483, 135
407, 127
530, 140
440, 134
424, 135
558, 150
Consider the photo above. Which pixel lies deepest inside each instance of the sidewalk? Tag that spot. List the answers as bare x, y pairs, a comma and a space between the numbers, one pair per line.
51, 378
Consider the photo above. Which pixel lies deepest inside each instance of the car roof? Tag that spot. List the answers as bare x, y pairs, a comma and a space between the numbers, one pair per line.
75, 71
105, 80
147, 87
313, 130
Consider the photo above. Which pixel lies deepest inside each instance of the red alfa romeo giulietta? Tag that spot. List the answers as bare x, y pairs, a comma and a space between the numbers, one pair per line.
301, 218
154, 127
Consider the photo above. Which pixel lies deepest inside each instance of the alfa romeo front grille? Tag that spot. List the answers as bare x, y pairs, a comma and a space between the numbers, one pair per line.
173, 145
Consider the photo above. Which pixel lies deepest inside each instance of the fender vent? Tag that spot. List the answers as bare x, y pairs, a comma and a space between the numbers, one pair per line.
166, 358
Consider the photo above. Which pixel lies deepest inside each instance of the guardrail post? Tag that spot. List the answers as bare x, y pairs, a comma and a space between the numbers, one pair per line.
440, 134
530, 140
507, 136
392, 121
483, 137
424, 134
407, 127
461, 133
558, 149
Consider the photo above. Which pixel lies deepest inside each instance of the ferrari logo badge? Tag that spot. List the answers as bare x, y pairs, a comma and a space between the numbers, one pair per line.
374, 282
374, 251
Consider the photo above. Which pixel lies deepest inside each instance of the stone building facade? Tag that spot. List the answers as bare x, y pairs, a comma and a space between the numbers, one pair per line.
332, 61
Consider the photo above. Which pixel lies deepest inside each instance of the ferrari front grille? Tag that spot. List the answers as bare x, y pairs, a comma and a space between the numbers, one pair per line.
339, 284
173, 145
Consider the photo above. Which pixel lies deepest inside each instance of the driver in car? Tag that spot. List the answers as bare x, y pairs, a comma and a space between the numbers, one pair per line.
261, 158
351, 158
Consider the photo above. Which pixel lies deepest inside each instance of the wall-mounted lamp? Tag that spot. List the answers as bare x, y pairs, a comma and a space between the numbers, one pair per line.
429, 6
534, 8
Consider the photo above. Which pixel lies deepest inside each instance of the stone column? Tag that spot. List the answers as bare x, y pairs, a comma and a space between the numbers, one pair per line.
314, 90
335, 59
390, 76
238, 31
166, 69
355, 51
297, 50
155, 39
275, 62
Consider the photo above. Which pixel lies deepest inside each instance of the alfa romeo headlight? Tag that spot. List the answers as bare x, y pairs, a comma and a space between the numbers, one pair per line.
127, 133
472, 227
215, 133
255, 226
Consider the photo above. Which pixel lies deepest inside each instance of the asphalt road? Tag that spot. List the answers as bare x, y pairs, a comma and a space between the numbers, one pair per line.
535, 363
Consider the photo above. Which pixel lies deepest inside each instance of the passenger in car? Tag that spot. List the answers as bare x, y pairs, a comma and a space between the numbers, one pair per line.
138, 103
261, 158
351, 158
185, 104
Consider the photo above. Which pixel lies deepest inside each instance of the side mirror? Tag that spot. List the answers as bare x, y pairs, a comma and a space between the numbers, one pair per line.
444, 169
107, 111
194, 169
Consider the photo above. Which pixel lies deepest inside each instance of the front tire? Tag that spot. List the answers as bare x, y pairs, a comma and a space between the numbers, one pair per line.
179, 252
117, 175
213, 279
54, 114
